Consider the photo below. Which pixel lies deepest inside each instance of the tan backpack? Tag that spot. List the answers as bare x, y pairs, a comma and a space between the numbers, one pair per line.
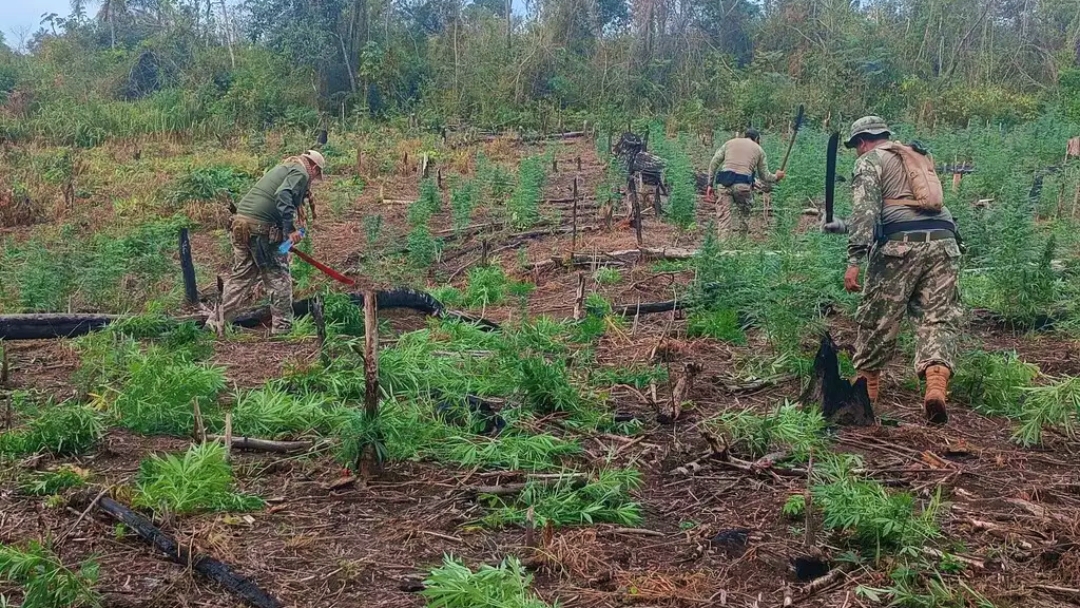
921, 177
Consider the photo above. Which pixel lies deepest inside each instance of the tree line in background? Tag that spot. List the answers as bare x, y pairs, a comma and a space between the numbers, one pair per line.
130, 67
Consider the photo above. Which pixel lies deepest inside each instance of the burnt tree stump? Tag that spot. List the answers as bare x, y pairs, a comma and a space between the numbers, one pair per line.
841, 402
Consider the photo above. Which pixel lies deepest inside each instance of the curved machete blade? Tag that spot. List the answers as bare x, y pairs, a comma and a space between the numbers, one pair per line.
830, 175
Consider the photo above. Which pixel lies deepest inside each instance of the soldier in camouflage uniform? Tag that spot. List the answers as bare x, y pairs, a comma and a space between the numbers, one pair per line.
912, 264
265, 217
734, 167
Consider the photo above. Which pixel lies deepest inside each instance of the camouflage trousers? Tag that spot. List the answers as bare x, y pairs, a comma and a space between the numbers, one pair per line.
255, 259
733, 202
919, 279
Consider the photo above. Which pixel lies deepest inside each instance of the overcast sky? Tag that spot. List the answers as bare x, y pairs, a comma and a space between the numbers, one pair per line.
22, 17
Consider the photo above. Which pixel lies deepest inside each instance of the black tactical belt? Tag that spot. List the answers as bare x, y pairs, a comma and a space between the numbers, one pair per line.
730, 178
917, 225
922, 236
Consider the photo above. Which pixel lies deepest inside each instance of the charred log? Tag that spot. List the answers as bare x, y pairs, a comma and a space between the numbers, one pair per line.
46, 326
50, 326
213, 569
649, 308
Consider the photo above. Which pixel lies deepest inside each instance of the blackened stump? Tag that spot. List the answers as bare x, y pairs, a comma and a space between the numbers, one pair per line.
810, 567
841, 402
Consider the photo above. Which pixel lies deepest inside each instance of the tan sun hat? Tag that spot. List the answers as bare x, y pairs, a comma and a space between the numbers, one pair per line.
874, 125
316, 157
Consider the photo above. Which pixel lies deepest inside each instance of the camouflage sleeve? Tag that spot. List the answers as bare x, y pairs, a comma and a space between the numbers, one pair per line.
865, 208
290, 196
716, 163
763, 170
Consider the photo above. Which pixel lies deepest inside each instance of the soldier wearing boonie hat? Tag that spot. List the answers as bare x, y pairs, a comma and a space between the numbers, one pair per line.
909, 243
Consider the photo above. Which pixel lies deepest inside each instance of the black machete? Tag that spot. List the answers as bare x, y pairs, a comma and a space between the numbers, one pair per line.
794, 132
830, 175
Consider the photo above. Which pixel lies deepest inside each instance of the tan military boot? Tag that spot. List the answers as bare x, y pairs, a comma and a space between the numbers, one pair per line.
937, 387
873, 382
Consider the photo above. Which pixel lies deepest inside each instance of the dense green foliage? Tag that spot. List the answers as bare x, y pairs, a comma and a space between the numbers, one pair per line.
168, 67
51, 271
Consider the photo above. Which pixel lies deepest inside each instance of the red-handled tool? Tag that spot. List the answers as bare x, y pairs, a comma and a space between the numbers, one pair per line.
330, 272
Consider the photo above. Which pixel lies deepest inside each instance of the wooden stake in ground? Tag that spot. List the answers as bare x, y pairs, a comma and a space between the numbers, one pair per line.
530, 528
5, 369
579, 300
200, 429
573, 219
635, 209
808, 502
227, 439
683, 387
371, 375
320, 328
219, 309
187, 268
371, 348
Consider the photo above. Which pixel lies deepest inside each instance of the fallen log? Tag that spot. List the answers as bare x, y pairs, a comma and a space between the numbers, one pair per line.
50, 326
649, 308
554, 136
41, 326
209, 567
266, 445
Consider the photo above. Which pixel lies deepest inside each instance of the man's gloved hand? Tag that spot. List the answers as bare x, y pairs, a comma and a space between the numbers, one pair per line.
780, 174
709, 196
837, 226
851, 279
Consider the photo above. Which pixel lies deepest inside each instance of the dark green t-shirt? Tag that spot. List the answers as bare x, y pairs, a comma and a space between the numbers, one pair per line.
275, 198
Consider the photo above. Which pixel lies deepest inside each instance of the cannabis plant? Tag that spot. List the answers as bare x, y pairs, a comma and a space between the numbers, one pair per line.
454, 585
199, 480
44, 580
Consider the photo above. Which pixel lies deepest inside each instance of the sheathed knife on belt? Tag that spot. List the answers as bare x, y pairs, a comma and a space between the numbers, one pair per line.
830, 175
794, 132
